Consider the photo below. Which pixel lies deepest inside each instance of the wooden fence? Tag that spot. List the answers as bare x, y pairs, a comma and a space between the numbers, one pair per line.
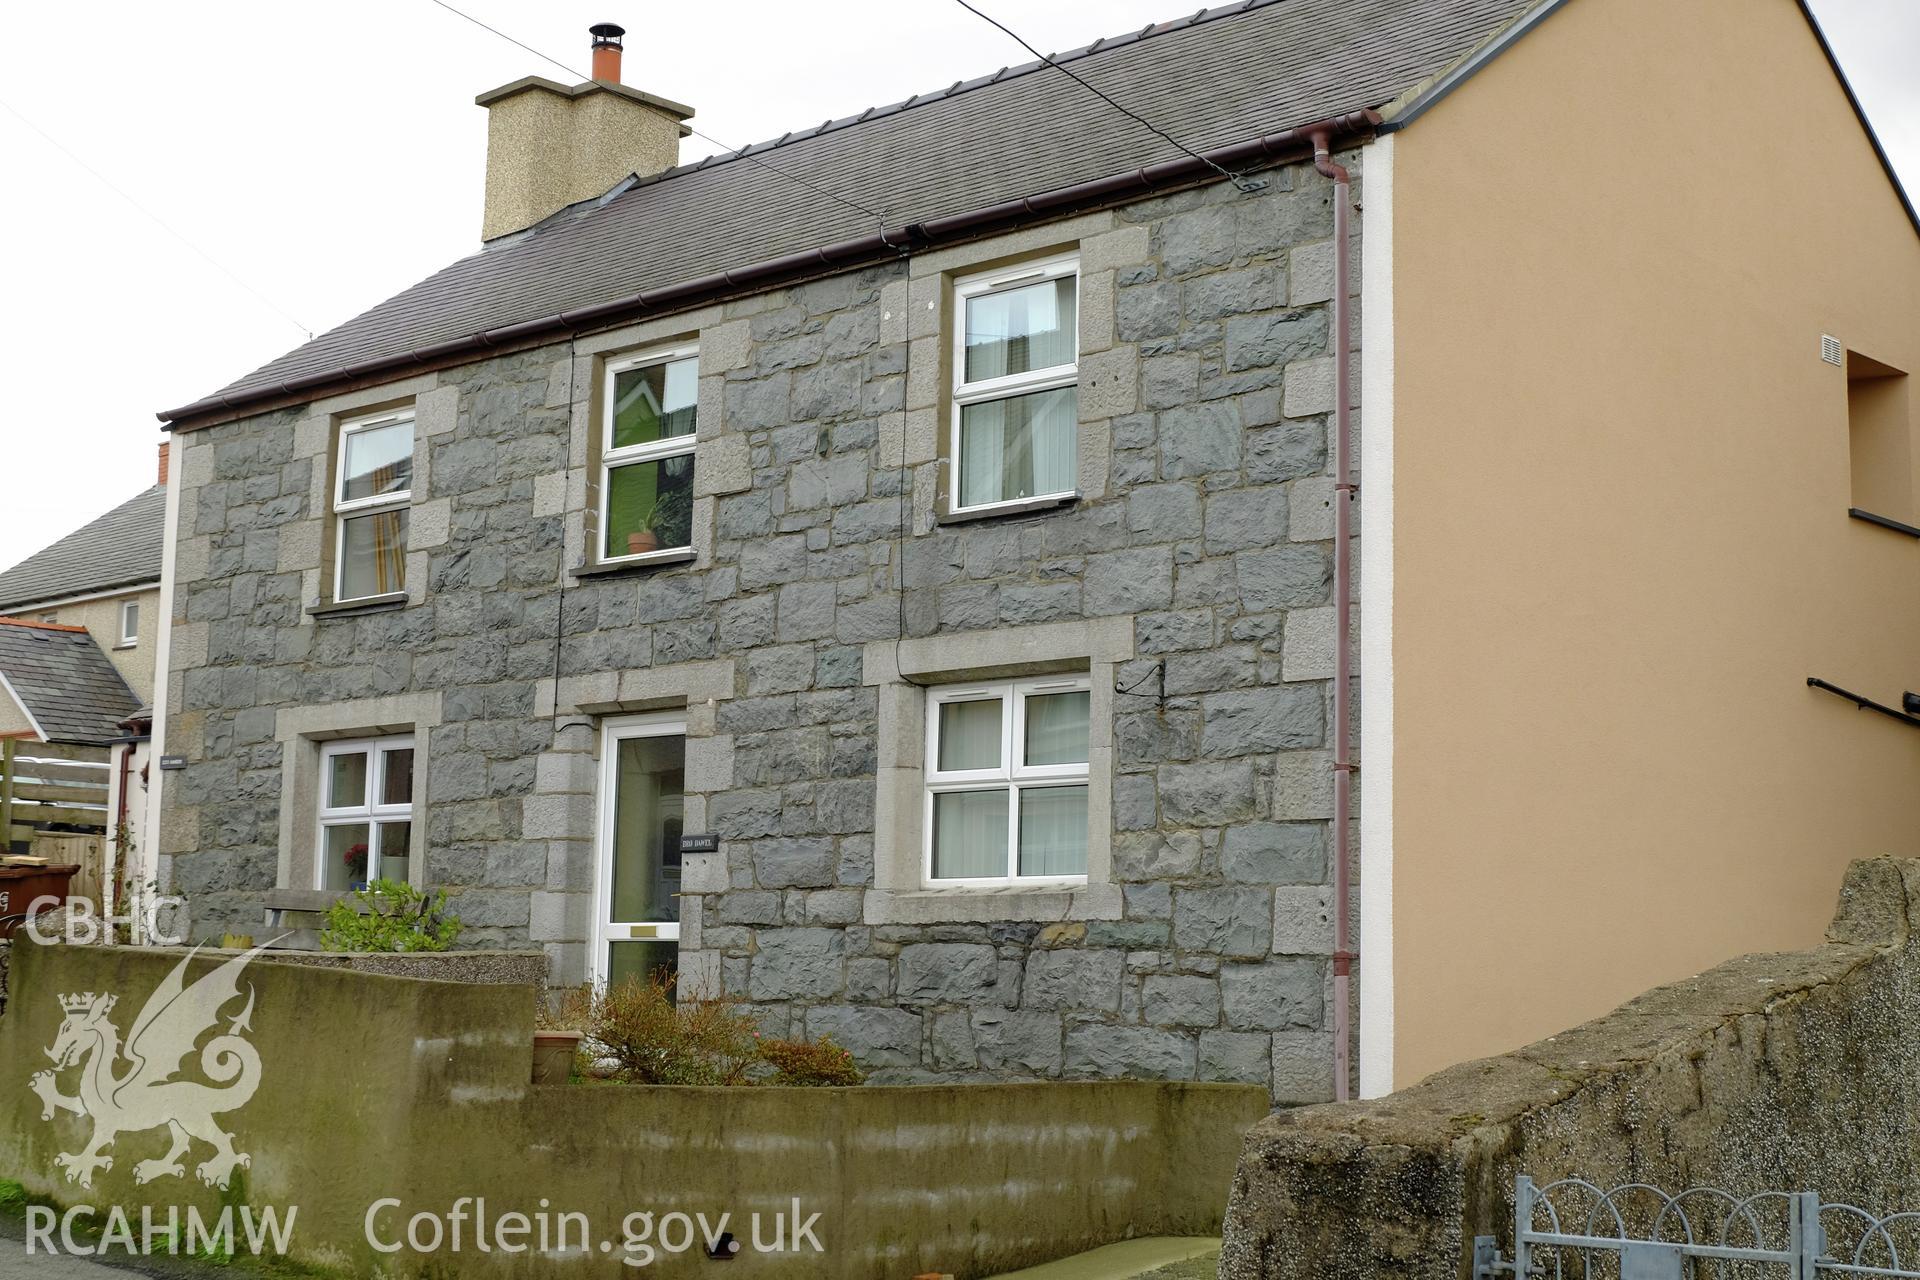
45, 785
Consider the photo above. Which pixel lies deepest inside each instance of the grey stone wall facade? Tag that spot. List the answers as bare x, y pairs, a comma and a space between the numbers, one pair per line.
1201, 538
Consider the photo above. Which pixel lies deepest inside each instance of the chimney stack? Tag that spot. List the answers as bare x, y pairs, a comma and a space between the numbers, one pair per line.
606, 51
550, 145
165, 450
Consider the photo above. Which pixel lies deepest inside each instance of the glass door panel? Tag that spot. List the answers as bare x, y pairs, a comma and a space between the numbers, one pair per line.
643, 776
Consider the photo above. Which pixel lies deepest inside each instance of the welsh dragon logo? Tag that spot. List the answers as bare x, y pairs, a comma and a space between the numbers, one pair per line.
130, 1088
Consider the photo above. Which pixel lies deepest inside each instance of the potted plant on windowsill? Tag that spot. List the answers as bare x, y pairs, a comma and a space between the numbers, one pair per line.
356, 860
668, 514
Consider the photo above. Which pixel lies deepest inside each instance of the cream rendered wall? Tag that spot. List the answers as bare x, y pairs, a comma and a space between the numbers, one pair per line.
101, 618
1621, 540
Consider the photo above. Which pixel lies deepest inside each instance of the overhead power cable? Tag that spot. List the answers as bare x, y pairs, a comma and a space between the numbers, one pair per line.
739, 153
1244, 181
158, 221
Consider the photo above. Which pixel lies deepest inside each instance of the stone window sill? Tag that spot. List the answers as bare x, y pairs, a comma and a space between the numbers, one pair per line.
653, 560
1885, 522
125, 645
1005, 510
366, 604
971, 906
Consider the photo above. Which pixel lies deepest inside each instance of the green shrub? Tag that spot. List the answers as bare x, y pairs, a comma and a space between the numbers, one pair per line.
796, 1062
396, 917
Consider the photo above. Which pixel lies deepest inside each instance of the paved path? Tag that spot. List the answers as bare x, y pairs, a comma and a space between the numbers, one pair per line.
1150, 1258
16, 1263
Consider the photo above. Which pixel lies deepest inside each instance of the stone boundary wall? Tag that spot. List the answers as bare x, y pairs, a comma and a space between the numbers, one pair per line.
1770, 1072
373, 1087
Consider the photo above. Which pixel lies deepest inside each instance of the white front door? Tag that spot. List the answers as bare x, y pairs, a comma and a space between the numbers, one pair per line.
643, 761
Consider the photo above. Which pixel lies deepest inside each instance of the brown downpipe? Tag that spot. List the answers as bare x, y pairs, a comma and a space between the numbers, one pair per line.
1343, 491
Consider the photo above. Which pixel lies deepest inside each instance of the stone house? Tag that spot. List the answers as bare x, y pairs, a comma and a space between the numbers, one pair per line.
926, 626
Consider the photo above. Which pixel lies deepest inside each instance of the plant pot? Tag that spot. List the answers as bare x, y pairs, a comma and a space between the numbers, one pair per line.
553, 1054
641, 541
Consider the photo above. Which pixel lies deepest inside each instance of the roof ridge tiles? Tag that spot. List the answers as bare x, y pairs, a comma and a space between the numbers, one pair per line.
40, 626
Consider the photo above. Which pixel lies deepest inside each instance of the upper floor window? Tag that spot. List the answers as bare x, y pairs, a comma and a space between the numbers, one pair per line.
1016, 364
373, 489
1006, 782
129, 622
366, 812
646, 454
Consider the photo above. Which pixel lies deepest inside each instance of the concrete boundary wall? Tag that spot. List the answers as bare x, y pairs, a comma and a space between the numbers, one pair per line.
1770, 1072
373, 1086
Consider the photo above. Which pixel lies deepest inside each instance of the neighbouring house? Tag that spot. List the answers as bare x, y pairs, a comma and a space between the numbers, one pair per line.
83, 619
928, 626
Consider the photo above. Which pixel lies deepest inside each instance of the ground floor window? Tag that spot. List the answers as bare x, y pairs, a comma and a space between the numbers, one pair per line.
366, 812
1006, 782
643, 764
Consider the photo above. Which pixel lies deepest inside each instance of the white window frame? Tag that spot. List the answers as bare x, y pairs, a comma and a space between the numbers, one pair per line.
612, 459
965, 393
670, 724
129, 635
343, 508
1013, 775
372, 813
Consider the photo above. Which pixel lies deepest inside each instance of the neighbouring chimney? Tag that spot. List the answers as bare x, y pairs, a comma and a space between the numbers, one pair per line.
164, 452
550, 145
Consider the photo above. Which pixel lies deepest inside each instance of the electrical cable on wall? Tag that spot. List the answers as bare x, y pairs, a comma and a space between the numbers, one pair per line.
906, 481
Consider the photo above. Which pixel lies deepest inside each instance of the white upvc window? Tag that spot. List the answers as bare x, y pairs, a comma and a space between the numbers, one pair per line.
366, 812
129, 623
373, 487
648, 422
1015, 428
1006, 783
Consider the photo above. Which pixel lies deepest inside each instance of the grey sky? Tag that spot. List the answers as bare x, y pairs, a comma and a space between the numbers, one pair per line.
332, 155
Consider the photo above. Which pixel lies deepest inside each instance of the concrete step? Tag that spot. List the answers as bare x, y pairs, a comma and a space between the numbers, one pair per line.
1149, 1258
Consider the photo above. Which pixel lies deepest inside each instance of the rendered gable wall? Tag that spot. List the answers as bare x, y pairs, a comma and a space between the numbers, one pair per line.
1621, 530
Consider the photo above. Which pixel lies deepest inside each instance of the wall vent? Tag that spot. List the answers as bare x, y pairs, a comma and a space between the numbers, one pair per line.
1830, 350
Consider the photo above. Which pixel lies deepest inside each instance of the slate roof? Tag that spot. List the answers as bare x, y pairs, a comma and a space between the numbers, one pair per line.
1220, 77
120, 549
64, 681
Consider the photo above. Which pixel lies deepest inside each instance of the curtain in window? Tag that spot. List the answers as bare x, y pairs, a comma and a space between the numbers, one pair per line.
374, 554
1053, 831
970, 834
969, 735
1019, 447
1057, 728
1021, 330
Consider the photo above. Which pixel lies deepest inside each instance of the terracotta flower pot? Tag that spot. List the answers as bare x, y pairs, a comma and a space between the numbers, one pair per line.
642, 540
553, 1054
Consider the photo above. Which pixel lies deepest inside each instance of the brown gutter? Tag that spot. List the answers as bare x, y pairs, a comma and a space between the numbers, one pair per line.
882, 246
1343, 491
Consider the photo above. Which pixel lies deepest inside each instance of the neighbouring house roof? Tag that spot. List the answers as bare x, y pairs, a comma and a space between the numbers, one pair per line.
62, 680
120, 549
1222, 77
